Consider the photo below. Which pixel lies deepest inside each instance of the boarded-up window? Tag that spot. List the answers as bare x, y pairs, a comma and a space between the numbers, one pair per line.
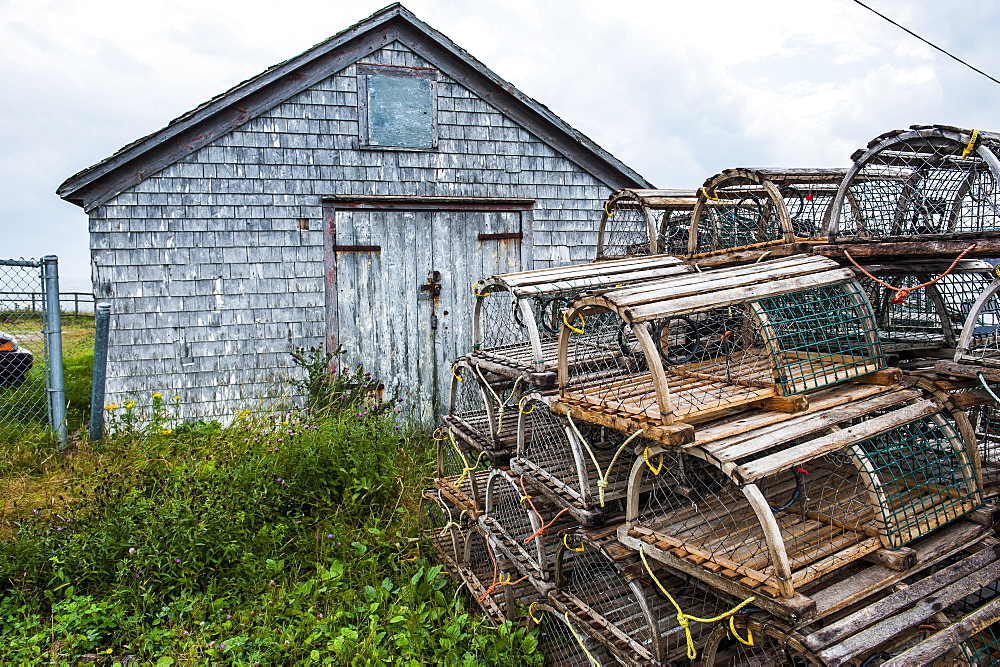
397, 107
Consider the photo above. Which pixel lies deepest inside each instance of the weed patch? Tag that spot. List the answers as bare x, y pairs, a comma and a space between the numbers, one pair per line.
281, 538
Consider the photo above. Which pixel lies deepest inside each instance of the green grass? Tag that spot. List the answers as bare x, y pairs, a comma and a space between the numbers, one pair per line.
283, 538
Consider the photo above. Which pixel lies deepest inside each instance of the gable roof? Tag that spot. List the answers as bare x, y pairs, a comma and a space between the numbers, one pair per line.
223, 113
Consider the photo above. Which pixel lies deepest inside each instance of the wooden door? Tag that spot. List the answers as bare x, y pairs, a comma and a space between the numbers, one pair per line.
401, 282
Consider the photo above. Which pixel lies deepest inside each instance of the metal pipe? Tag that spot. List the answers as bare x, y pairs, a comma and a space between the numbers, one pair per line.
102, 321
53, 345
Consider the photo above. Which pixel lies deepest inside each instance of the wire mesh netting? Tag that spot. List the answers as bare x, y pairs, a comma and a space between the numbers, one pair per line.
625, 228
807, 206
507, 323
565, 642
525, 527
820, 507
711, 358
634, 606
675, 228
724, 357
584, 465
921, 478
502, 592
821, 336
928, 318
738, 216
23, 357
980, 341
461, 470
920, 182
483, 410
443, 525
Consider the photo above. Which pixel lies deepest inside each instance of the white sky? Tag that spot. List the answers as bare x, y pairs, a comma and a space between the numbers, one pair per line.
678, 90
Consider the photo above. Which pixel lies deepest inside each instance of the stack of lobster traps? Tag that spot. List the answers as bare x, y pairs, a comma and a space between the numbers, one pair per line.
776, 448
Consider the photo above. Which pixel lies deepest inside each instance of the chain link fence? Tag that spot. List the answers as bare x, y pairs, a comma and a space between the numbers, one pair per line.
32, 396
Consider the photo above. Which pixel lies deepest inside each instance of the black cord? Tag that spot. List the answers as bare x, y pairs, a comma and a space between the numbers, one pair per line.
972, 67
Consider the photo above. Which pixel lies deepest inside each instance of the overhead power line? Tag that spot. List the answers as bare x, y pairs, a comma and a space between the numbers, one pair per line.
950, 55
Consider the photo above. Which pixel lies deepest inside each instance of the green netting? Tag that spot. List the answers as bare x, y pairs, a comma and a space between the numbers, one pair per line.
820, 336
921, 478
738, 218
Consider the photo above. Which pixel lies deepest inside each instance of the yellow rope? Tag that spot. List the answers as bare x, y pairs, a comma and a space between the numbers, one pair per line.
659, 466
611, 213
501, 403
732, 628
569, 548
465, 462
766, 253
580, 641
685, 619
972, 143
573, 328
709, 194
456, 375
538, 621
602, 478
479, 294
520, 406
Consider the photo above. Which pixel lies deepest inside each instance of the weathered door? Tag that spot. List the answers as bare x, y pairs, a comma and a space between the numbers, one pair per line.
402, 286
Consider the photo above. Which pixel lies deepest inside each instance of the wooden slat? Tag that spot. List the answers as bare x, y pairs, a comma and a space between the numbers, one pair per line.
820, 400
929, 550
757, 440
695, 283
916, 592
664, 307
789, 268
830, 443
935, 646
924, 608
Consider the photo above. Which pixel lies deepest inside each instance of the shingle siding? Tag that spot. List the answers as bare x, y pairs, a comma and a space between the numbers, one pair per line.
213, 281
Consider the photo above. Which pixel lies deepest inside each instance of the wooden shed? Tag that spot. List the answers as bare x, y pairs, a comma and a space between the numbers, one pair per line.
350, 195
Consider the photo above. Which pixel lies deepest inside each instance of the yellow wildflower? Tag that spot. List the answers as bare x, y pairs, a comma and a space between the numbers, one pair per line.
129, 405
111, 407
157, 395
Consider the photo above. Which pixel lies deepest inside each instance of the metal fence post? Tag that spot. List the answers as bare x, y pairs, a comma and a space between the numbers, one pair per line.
102, 320
53, 345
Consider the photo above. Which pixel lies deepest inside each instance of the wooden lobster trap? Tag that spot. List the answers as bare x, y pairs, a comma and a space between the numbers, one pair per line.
517, 316
933, 315
579, 466
482, 410
567, 641
689, 348
502, 592
767, 504
609, 588
645, 222
743, 212
523, 528
928, 183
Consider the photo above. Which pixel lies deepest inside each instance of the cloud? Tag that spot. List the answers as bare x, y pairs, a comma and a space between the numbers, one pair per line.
677, 90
